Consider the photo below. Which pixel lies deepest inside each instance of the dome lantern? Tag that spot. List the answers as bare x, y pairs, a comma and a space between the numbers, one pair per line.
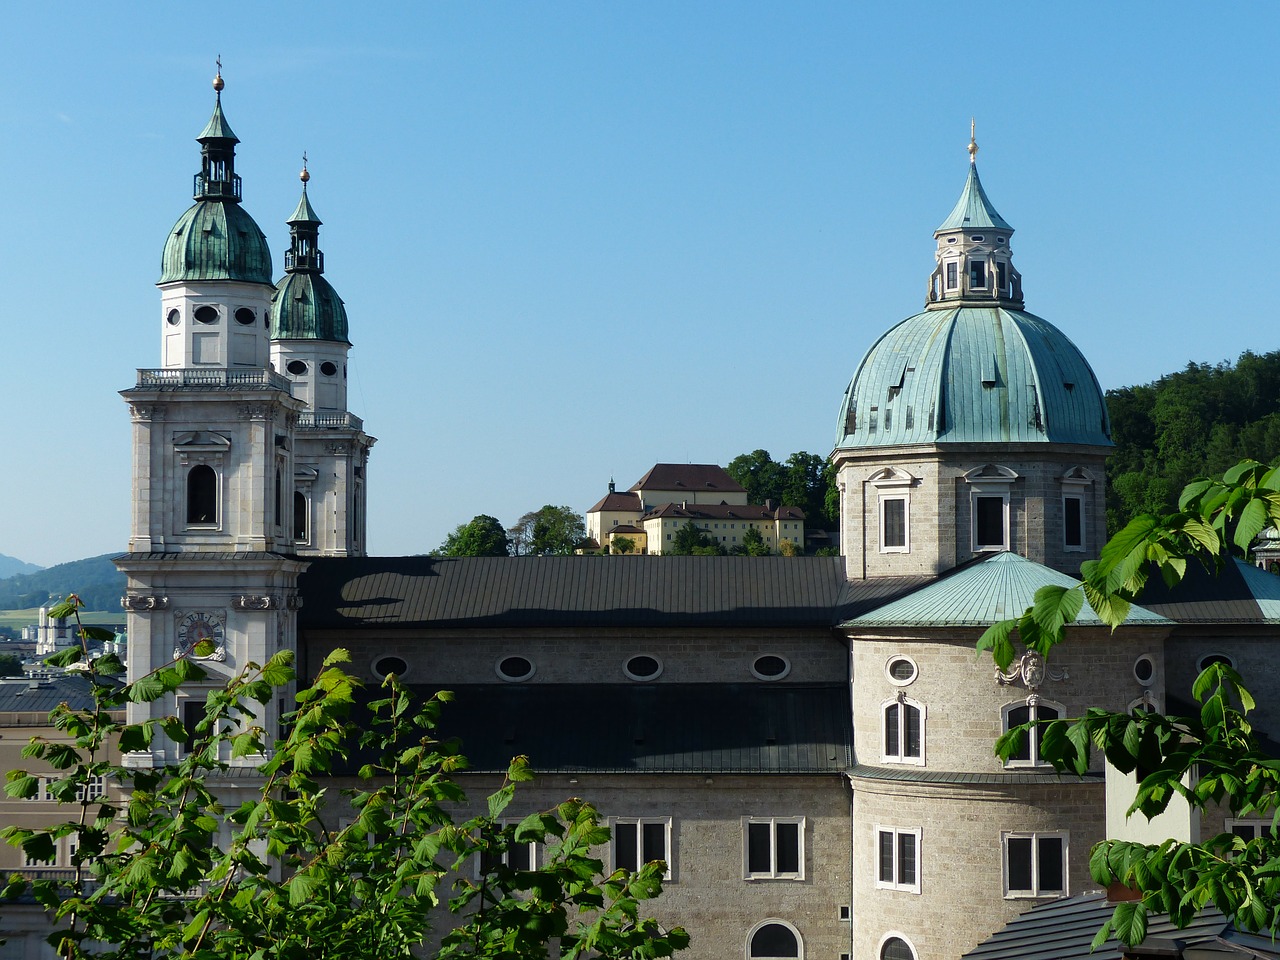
305, 306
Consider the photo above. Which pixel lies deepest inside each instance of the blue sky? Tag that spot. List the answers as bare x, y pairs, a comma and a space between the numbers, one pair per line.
576, 239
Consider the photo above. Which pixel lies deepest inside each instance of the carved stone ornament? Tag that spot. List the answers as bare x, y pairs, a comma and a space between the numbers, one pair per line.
143, 603
264, 602
144, 412
219, 653
255, 411
1031, 670
295, 602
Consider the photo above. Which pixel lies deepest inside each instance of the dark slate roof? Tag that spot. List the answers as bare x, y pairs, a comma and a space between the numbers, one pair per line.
727, 511
990, 777
586, 591
689, 476
617, 501
627, 728
1241, 593
23, 696
1064, 929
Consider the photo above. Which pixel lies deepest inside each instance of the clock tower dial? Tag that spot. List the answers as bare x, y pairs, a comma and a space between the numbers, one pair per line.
202, 635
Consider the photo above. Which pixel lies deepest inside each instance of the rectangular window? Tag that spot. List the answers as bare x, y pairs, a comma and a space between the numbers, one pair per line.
93, 789
1250, 829
952, 275
641, 840
977, 274
1035, 864
517, 855
1000, 276
903, 732
989, 529
898, 859
893, 525
1073, 522
773, 848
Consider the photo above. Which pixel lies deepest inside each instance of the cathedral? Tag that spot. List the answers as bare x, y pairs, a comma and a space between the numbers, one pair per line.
807, 742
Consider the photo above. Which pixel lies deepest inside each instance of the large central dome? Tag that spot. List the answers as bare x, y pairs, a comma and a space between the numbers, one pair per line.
973, 374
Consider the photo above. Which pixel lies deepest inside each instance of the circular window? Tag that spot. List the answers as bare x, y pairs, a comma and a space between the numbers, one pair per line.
245, 316
1209, 659
770, 667
296, 367
901, 670
515, 669
206, 314
328, 368
173, 318
385, 665
642, 667
1144, 669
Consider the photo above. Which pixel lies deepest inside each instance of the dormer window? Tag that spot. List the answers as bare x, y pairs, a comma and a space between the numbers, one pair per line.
1000, 275
951, 239
952, 275
977, 238
977, 274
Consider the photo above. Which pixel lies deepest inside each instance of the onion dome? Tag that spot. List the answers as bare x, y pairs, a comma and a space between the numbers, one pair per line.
216, 239
305, 306
974, 367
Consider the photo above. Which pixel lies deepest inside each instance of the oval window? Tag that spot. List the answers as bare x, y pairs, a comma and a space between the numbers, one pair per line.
328, 368
1144, 669
245, 316
296, 367
642, 667
174, 317
1210, 659
770, 667
385, 665
206, 314
978, 238
901, 670
515, 669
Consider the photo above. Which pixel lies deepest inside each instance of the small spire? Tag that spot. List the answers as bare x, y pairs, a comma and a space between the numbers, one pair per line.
973, 143
218, 83
304, 176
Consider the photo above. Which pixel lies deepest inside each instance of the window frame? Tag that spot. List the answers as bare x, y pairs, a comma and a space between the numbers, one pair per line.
770, 921
895, 935
773, 873
1081, 526
668, 841
215, 495
904, 499
994, 481
896, 883
1036, 891
901, 700
1259, 826
1034, 705
483, 865
977, 544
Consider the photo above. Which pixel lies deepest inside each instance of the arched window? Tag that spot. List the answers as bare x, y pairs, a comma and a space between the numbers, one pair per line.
896, 948
202, 495
299, 515
775, 940
903, 730
1032, 710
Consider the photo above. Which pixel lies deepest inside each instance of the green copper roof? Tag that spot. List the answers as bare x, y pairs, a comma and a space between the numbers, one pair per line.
973, 375
973, 208
217, 128
303, 213
999, 587
306, 307
216, 241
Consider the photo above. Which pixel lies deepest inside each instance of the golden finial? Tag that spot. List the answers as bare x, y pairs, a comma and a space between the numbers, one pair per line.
304, 176
973, 143
217, 80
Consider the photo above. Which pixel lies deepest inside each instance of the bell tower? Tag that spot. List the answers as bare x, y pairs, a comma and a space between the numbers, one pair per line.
210, 571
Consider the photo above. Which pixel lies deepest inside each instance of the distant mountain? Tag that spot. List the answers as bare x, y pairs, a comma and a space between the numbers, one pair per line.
12, 566
95, 579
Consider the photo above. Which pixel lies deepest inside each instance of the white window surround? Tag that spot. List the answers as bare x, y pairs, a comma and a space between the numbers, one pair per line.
895, 935
893, 485
891, 503
1248, 828
526, 857
746, 950
1038, 709
1038, 871
901, 738
994, 481
638, 677
888, 670
638, 855
785, 848
1075, 484
904, 865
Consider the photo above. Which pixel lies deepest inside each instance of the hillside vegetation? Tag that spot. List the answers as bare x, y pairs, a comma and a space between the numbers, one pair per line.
1198, 421
95, 579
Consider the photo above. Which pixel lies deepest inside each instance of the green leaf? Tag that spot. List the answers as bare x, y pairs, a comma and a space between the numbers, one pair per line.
996, 638
1252, 519
65, 658
146, 689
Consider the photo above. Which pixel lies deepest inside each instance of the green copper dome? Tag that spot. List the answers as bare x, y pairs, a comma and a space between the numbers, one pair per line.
973, 375
216, 240
306, 307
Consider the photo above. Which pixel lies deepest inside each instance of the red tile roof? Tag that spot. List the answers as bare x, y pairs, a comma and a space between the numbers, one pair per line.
689, 476
726, 511
618, 501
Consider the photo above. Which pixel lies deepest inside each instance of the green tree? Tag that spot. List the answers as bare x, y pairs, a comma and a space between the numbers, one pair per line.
10, 666
753, 544
692, 540
622, 545
482, 536
762, 477
1209, 758
805, 480
292, 881
549, 531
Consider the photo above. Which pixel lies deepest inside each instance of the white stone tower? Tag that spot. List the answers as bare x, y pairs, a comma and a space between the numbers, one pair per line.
210, 545
309, 345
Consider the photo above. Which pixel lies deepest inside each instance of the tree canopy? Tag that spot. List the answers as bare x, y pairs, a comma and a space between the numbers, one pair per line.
294, 880
692, 540
548, 531
803, 480
482, 536
1213, 757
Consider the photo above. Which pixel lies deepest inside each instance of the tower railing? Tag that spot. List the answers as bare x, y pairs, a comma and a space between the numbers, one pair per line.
211, 189
329, 421
304, 261
214, 377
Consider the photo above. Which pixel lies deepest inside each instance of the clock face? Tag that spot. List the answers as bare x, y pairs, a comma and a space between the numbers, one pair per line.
201, 633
